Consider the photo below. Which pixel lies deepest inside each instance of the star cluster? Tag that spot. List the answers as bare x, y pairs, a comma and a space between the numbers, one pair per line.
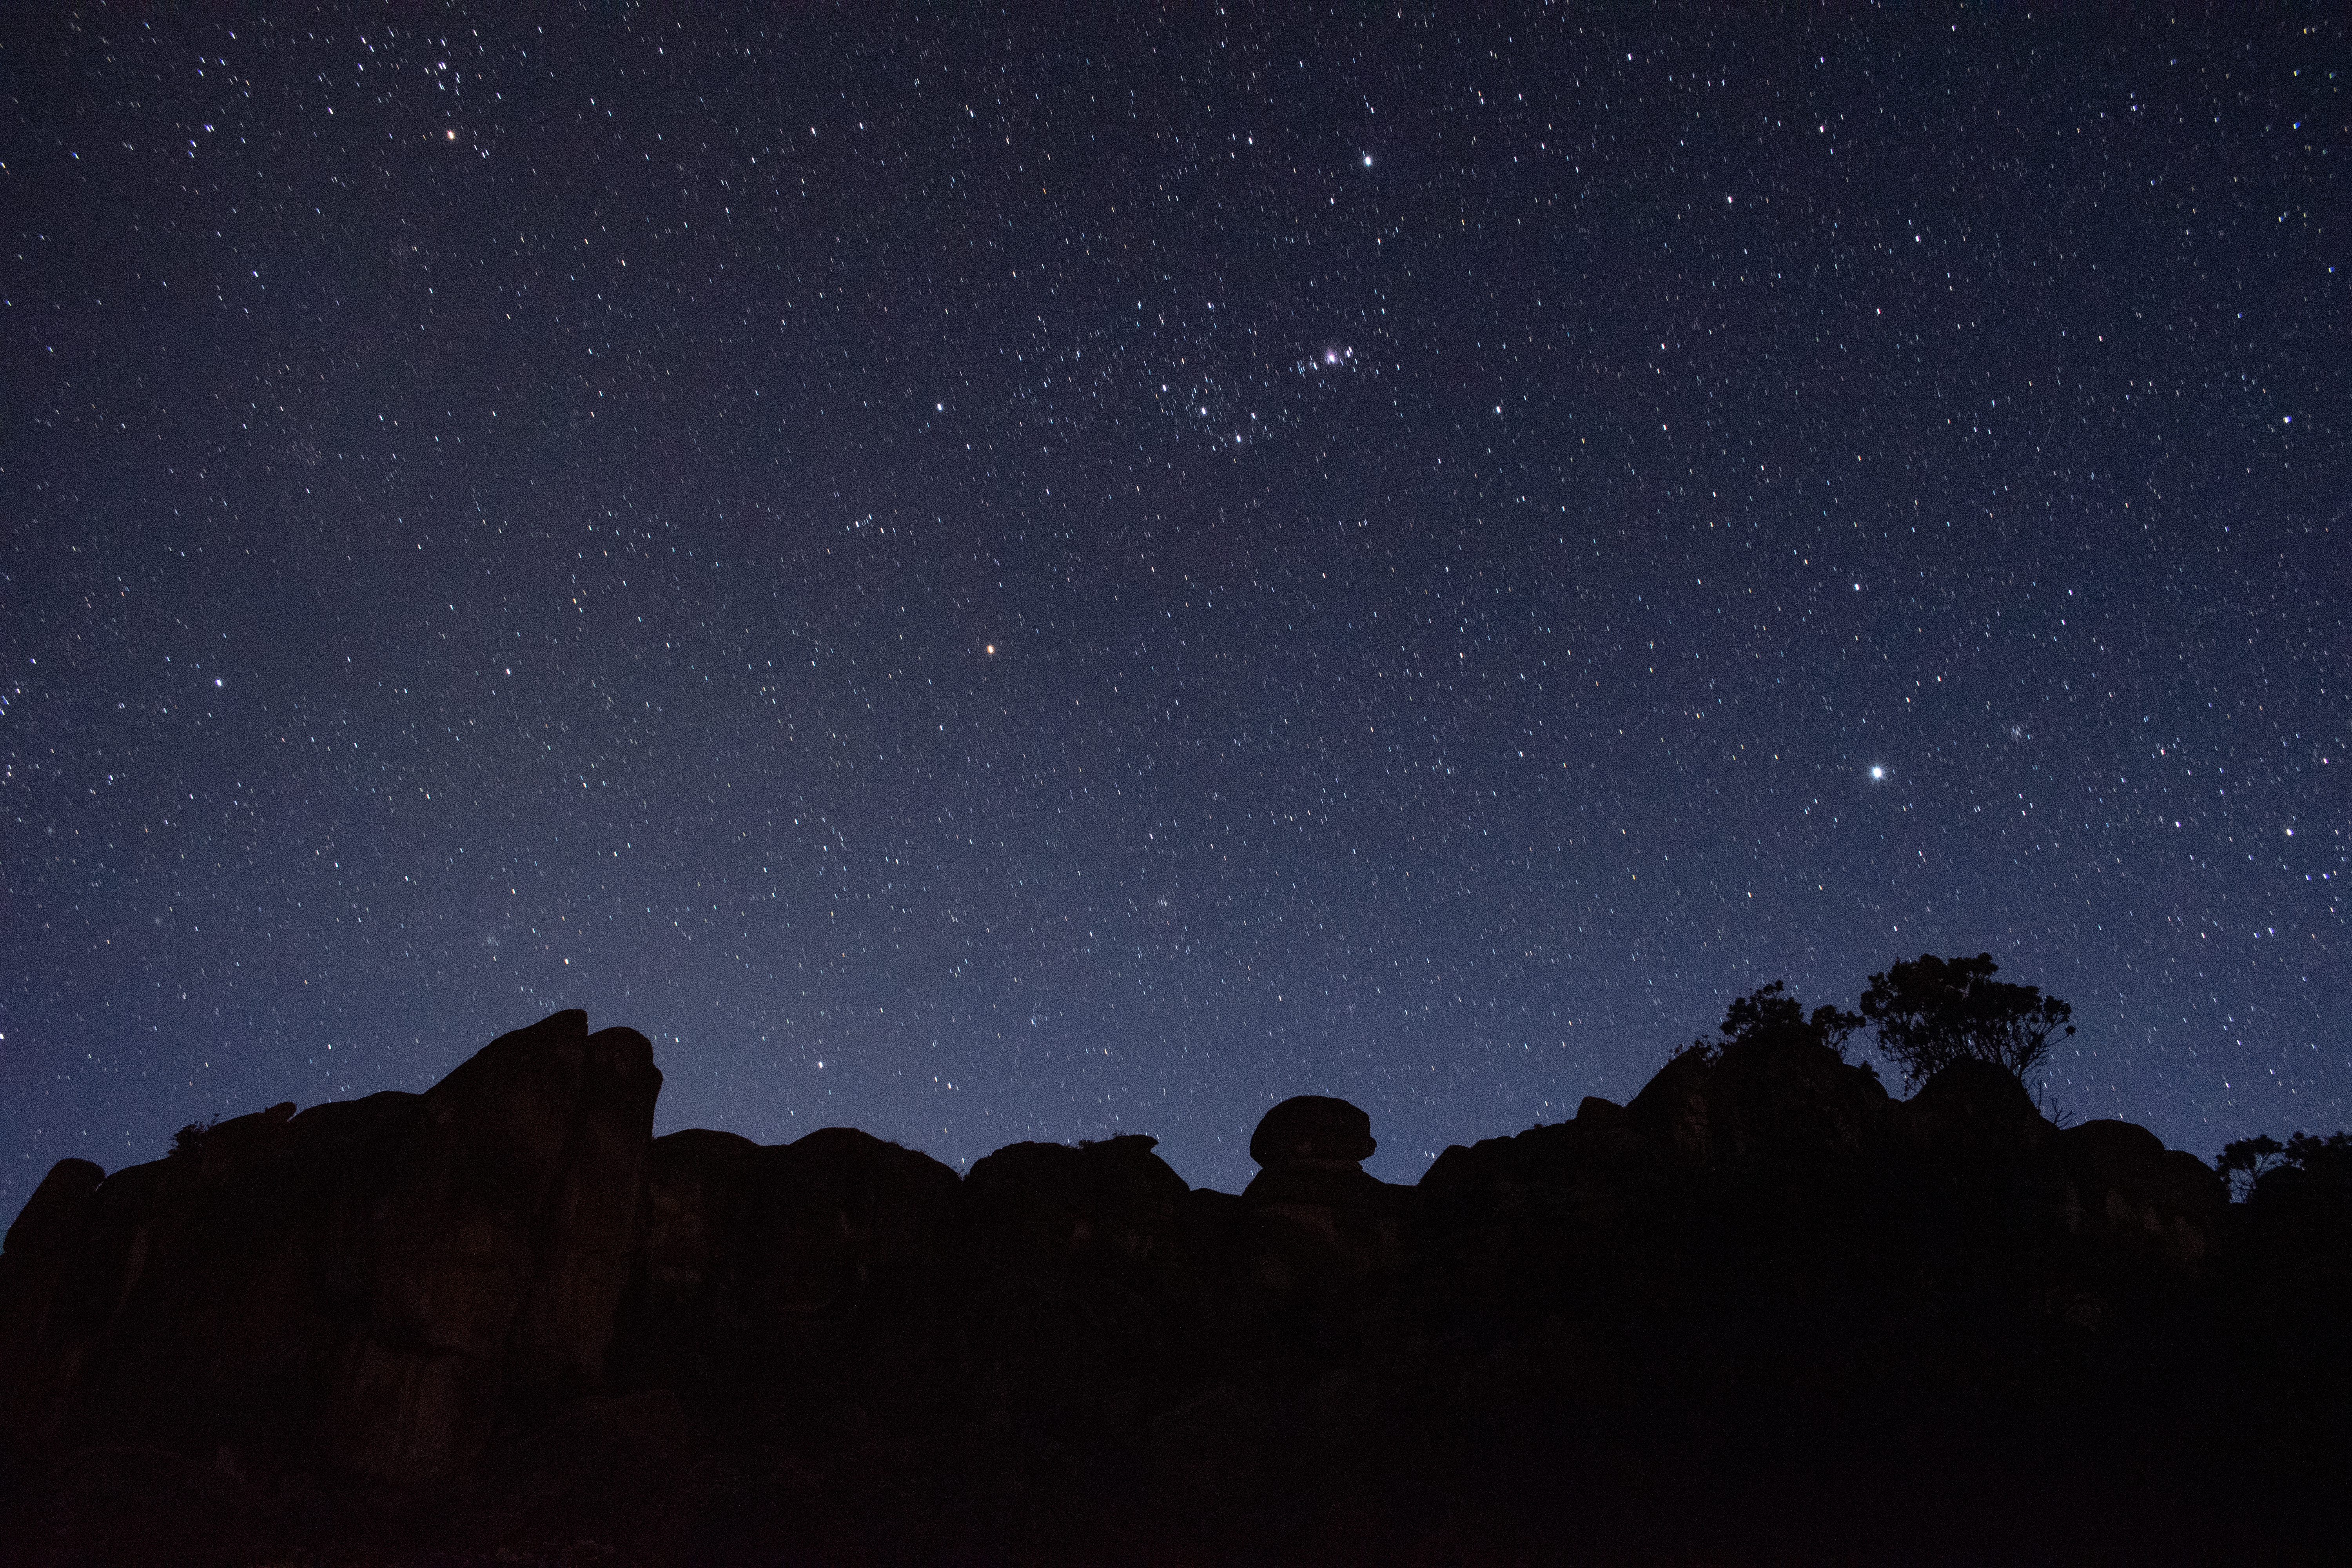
986, 581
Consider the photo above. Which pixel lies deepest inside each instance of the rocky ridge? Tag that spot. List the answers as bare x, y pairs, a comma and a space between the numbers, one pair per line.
1763, 1309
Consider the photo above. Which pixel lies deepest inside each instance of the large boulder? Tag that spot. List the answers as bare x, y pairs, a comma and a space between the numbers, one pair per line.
1313, 1127
1079, 1273
1976, 1107
1580, 1173
1315, 1214
2126, 1185
688, 1314
839, 1205
1676, 1109
1774, 1100
198, 1300
1045, 1200
742, 1247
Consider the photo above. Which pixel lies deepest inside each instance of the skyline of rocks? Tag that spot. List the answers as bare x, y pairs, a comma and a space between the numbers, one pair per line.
487, 1297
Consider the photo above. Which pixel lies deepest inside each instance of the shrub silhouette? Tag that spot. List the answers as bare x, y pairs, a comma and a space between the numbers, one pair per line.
1931, 1012
2306, 1171
1768, 1018
2245, 1164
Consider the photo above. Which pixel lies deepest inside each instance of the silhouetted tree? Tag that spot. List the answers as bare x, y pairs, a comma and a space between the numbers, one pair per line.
1931, 1012
2245, 1164
1769, 1017
2306, 1169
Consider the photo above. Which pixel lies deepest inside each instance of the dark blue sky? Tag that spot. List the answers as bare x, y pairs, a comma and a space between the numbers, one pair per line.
988, 579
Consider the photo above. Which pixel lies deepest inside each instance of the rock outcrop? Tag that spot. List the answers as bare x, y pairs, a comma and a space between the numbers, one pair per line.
1762, 1311
1047, 1201
365, 1284
41, 1347
740, 1251
2123, 1181
495, 1250
1317, 1216
1313, 1129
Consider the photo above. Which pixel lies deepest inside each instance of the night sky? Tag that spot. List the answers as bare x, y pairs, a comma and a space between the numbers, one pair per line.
987, 578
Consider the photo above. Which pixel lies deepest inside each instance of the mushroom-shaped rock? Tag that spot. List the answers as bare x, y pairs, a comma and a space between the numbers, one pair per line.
1312, 1127
1314, 1211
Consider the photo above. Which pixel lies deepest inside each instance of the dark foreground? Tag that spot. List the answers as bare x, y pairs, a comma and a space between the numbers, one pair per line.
1763, 1314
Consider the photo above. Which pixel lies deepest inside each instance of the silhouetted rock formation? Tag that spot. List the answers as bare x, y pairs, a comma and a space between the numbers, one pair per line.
1315, 1215
2123, 1181
1313, 1127
1764, 1311
367, 1283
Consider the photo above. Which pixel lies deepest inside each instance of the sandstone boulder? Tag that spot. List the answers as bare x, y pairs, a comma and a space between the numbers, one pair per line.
687, 1316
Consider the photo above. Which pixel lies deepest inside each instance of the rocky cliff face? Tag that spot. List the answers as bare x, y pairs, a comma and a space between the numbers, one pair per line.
364, 1284
1763, 1296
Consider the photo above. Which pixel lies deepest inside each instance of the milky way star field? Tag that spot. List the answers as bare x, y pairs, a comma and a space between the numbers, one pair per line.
992, 576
